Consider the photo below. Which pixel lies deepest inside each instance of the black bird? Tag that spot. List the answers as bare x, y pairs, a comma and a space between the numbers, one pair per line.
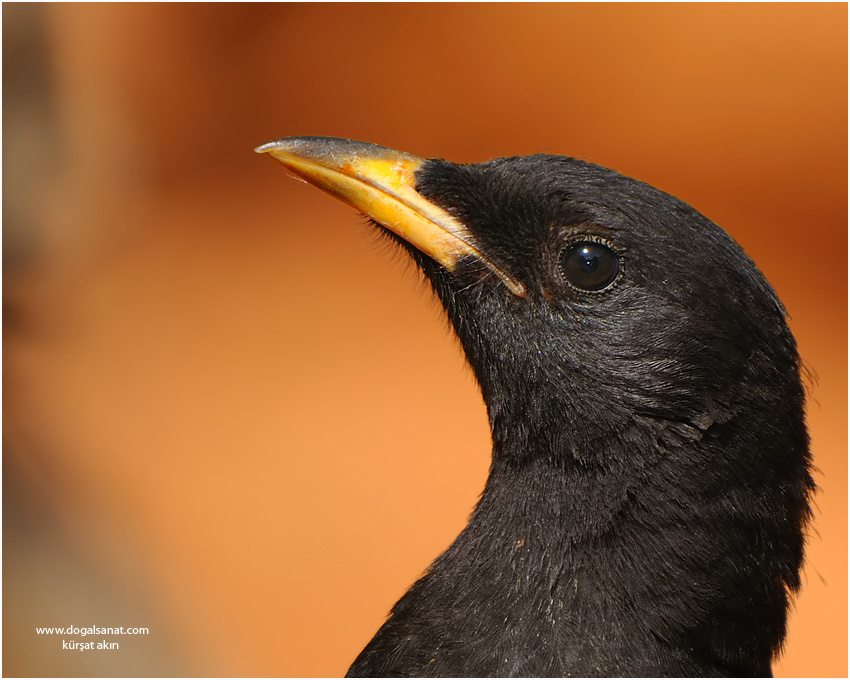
650, 483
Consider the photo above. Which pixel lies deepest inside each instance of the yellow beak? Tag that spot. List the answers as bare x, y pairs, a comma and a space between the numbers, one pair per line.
380, 183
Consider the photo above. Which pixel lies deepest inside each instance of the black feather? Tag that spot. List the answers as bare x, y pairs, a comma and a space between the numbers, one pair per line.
650, 482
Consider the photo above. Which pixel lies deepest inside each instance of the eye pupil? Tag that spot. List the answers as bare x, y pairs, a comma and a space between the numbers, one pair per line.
588, 265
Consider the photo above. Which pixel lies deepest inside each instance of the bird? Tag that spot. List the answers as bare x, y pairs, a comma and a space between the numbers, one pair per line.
650, 486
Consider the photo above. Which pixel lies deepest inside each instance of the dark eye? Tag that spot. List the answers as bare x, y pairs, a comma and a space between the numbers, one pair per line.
589, 265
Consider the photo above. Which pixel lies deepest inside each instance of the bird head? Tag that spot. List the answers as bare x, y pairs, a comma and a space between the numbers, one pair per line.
592, 307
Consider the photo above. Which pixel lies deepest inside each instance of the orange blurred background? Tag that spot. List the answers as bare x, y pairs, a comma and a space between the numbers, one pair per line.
231, 416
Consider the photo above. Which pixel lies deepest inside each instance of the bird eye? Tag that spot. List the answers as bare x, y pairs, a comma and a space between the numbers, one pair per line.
590, 265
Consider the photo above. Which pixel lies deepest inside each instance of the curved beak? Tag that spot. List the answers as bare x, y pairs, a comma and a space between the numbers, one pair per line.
381, 183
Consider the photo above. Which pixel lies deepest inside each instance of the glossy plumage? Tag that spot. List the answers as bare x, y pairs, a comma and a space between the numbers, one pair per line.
650, 479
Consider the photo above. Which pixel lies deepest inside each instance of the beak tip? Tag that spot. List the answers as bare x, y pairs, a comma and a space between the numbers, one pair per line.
268, 146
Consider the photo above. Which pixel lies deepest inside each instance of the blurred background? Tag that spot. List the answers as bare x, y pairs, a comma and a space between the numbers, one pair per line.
221, 390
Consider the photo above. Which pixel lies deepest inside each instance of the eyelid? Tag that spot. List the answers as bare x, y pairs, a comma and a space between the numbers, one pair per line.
580, 236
